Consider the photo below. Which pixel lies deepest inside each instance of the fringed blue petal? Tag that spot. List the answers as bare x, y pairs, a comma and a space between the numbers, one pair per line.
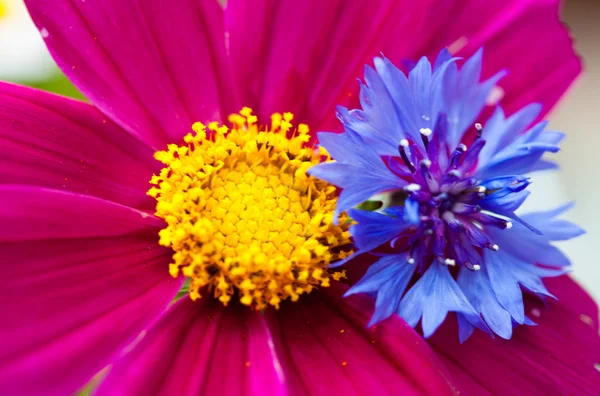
373, 229
478, 290
387, 279
432, 297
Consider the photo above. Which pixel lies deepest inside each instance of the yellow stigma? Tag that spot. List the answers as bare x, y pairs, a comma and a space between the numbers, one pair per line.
242, 214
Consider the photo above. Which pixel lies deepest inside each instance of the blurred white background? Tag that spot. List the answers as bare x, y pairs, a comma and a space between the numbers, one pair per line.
22, 51
23, 59
579, 116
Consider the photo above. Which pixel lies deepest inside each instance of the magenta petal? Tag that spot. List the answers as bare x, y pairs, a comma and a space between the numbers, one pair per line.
152, 68
35, 213
80, 279
555, 357
526, 38
316, 346
51, 141
325, 345
573, 298
304, 56
200, 348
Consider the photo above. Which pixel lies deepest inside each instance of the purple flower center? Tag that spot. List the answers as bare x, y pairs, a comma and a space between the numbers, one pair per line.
451, 222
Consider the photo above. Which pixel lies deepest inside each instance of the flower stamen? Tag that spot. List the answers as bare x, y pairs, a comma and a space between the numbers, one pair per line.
242, 214
402, 150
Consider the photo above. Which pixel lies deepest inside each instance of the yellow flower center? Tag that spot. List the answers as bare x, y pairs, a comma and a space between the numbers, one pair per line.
242, 214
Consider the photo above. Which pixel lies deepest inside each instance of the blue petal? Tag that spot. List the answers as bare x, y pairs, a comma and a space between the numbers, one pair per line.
530, 276
508, 274
344, 261
500, 132
504, 205
522, 155
358, 121
551, 137
379, 108
354, 158
542, 165
520, 242
465, 328
411, 211
478, 290
374, 229
377, 274
388, 279
340, 146
523, 160
388, 297
335, 173
503, 283
443, 57
465, 96
418, 99
510, 183
552, 228
432, 297
420, 79
399, 89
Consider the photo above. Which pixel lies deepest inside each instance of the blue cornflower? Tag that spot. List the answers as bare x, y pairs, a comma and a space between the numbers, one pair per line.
448, 238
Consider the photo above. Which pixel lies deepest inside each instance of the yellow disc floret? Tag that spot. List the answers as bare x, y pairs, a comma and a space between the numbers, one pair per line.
242, 214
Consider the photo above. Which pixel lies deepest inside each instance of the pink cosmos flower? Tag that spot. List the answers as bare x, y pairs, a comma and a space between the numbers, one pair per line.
85, 283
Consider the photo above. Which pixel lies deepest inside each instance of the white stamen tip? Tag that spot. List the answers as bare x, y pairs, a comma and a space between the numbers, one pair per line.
476, 267
426, 132
481, 189
449, 261
404, 143
412, 187
454, 173
411, 260
509, 225
426, 163
478, 126
495, 247
462, 147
